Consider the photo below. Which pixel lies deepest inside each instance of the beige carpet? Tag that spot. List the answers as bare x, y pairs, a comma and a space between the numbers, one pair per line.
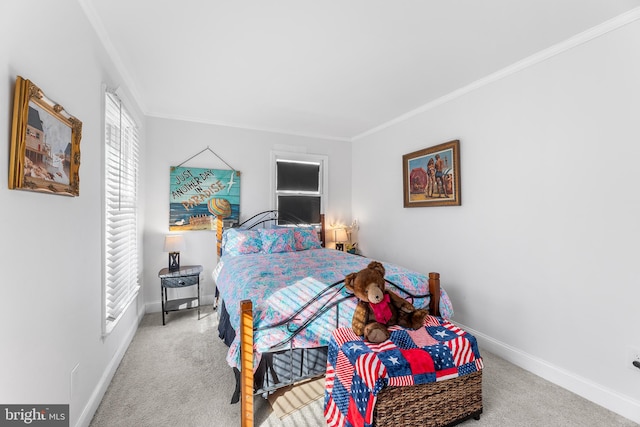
176, 376
290, 399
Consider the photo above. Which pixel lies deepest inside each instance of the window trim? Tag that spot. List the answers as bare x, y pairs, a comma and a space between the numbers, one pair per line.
133, 288
322, 159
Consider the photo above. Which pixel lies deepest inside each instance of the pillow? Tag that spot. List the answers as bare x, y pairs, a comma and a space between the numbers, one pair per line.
277, 240
306, 238
239, 242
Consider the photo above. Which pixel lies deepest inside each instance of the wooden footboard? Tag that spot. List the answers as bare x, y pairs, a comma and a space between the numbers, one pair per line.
246, 348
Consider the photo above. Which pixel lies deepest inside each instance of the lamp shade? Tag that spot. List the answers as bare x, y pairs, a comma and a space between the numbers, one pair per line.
173, 243
341, 235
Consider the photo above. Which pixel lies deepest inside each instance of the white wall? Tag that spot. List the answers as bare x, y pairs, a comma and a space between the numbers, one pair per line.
51, 292
541, 258
550, 206
171, 142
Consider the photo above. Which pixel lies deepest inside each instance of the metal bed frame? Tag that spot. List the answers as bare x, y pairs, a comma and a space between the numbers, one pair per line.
278, 217
245, 389
246, 386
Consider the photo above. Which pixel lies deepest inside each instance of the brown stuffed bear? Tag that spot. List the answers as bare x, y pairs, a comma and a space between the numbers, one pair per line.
377, 307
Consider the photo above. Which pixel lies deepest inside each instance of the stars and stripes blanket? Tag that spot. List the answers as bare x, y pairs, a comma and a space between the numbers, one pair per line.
357, 370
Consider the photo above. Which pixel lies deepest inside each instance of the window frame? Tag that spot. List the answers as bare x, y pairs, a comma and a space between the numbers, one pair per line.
323, 182
131, 287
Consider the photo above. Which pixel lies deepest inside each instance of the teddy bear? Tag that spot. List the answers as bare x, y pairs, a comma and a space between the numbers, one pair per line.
378, 308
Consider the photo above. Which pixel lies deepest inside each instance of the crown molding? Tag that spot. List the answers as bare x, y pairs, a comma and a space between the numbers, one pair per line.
248, 127
577, 40
101, 32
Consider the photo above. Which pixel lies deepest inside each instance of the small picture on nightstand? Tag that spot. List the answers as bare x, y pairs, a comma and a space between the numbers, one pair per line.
340, 246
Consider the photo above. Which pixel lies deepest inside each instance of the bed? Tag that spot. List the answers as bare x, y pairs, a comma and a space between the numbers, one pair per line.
286, 291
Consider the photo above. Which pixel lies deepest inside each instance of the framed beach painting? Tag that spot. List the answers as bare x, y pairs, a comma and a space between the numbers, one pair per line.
200, 196
431, 177
45, 144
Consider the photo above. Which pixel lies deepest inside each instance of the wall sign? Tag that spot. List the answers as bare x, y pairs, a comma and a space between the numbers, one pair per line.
200, 196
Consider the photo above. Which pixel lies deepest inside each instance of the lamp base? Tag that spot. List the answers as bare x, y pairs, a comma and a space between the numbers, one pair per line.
174, 261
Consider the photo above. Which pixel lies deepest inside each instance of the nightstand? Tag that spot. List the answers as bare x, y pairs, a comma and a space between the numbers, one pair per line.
187, 275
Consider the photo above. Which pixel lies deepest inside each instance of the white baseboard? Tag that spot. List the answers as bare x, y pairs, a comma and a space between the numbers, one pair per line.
96, 397
596, 393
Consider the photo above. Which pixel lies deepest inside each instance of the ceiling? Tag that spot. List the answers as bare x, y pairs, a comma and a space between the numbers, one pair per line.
330, 68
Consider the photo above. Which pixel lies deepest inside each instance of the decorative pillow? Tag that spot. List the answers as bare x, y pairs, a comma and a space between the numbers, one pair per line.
238, 242
306, 238
277, 240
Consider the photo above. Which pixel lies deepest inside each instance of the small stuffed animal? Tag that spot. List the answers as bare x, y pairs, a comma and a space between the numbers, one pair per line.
378, 307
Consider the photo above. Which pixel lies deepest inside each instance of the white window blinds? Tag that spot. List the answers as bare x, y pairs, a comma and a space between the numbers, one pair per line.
121, 209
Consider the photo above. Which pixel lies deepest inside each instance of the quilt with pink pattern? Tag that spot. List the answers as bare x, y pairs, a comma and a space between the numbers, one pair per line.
279, 284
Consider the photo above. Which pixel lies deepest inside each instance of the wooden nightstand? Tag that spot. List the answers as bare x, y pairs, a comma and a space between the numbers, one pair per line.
187, 275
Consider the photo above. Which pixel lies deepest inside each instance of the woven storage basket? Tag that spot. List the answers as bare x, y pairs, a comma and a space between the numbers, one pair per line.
437, 404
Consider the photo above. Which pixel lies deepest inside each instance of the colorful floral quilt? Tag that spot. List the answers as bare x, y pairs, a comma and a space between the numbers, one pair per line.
357, 371
279, 284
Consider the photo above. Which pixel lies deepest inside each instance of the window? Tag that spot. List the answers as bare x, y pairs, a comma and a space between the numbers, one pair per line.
300, 185
121, 210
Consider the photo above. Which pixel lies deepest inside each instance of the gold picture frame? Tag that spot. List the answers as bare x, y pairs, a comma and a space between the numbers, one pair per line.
45, 144
431, 177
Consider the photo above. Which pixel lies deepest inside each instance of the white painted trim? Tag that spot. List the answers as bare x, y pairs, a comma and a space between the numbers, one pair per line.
577, 40
581, 38
594, 392
101, 388
101, 32
247, 127
323, 159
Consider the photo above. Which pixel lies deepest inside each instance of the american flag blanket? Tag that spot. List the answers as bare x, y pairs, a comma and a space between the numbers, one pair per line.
357, 370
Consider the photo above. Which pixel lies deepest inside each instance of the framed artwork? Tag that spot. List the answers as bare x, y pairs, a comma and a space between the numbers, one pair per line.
200, 196
45, 144
431, 176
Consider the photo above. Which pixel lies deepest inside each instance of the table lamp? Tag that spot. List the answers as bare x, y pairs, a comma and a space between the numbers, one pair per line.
340, 236
174, 243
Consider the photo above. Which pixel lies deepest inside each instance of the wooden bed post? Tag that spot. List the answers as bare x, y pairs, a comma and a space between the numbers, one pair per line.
434, 290
246, 363
322, 233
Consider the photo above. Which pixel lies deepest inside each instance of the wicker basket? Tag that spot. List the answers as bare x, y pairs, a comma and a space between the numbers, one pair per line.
438, 404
